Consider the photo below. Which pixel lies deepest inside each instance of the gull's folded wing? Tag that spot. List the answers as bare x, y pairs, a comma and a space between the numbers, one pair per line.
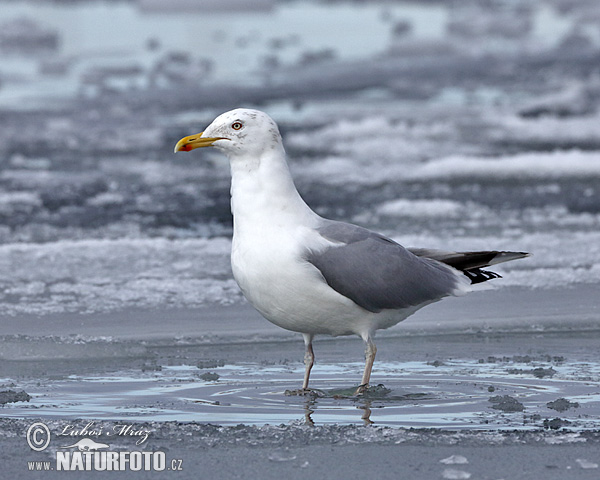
378, 273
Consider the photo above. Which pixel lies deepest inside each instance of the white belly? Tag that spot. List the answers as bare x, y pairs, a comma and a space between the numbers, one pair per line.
292, 294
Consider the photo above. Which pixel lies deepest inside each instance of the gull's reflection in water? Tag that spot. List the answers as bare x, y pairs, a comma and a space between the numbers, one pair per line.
308, 411
364, 403
366, 416
312, 398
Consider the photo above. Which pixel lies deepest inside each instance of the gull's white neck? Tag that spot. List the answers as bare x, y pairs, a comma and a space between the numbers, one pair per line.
263, 189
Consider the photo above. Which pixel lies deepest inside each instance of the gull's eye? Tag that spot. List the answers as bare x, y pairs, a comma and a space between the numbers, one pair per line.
237, 125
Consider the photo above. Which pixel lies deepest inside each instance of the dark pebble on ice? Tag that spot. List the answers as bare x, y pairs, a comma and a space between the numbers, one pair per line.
523, 359
210, 376
562, 404
536, 372
535, 418
543, 372
506, 403
10, 396
555, 423
436, 363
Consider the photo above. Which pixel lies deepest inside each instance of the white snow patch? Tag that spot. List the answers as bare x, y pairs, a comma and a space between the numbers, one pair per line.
553, 130
566, 438
586, 464
421, 208
19, 201
557, 165
105, 275
552, 165
372, 136
454, 460
557, 260
355, 146
106, 199
453, 474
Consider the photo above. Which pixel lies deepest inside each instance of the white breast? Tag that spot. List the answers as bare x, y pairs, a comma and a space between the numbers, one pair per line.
273, 228
291, 293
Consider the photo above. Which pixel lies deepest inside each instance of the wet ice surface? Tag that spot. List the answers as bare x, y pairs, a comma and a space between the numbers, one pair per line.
450, 375
456, 395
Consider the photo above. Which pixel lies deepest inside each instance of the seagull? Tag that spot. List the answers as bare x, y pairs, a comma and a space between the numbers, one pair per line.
316, 276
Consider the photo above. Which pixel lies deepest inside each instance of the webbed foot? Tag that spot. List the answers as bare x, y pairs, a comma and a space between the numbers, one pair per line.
362, 389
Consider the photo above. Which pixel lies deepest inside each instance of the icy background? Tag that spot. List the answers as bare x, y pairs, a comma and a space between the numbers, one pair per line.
464, 125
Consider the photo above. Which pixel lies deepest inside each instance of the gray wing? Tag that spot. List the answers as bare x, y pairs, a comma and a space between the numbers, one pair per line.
378, 273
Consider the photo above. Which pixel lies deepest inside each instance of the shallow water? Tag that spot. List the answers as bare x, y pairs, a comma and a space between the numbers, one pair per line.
434, 374
453, 396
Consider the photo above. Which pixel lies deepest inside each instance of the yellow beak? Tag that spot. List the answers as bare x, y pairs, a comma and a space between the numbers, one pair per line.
187, 144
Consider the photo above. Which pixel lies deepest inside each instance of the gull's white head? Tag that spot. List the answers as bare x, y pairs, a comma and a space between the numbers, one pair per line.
239, 132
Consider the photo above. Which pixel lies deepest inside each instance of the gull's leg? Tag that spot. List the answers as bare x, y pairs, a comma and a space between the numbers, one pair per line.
366, 416
370, 352
309, 358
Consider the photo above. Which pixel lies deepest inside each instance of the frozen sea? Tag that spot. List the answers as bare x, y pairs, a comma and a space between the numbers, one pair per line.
465, 125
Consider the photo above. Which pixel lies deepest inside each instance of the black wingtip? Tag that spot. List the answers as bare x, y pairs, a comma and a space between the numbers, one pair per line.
479, 276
